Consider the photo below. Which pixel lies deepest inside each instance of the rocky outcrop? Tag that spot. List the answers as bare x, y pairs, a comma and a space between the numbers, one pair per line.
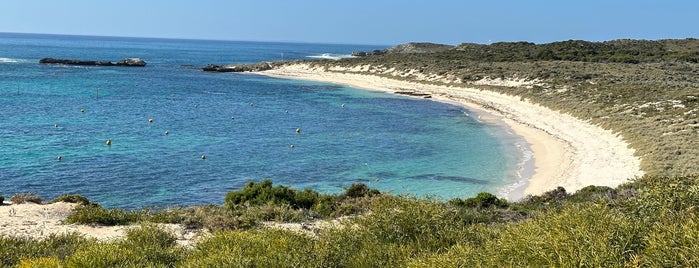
419, 48
137, 62
124, 62
256, 67
406, 48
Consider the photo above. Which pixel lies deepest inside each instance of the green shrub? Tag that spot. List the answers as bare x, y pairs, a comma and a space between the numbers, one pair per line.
254, 248
215, 218
96, 214
485, 201
590, 235
15, 249
673, 242
426, 224
260, 193
108, 255
26, 198
553, 197
305, 199
72, 198
41, 262
593, 193
347, 246
149, 235
357, 190
171, 215
156, 244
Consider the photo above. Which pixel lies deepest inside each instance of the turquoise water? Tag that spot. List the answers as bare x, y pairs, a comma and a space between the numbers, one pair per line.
243, 123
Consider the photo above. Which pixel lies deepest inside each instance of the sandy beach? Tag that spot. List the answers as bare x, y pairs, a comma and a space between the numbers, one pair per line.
567, 151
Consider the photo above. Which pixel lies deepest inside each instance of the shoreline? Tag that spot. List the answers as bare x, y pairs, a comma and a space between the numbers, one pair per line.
567, 151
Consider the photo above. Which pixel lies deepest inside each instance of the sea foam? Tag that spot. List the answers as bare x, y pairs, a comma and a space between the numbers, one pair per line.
330, 56
10, 60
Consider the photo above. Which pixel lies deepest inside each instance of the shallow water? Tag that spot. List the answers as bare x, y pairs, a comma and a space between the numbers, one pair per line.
244, 124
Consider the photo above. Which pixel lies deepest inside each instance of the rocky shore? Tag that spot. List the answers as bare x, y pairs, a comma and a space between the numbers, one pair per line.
255, 67
129, 62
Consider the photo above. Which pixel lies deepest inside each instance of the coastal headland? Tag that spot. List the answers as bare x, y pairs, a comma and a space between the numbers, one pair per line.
568, 152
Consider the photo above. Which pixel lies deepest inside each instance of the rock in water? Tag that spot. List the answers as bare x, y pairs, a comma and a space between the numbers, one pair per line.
124, 62
131, 62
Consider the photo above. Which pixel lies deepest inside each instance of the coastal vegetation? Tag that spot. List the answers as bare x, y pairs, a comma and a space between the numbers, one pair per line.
647, 222
644, 90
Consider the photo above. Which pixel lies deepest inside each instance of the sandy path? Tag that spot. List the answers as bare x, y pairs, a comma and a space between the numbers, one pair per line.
567, 151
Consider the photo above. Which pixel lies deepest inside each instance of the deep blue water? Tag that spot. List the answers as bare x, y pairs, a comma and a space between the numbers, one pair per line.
243, 123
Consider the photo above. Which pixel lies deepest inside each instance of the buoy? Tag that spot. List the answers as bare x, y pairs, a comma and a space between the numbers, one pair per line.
298, 130
167, 132
150, 120
82, 110
55, 125
232, 118
203, 157
108, 142
252, 104
291, 146
343, 105
59, 158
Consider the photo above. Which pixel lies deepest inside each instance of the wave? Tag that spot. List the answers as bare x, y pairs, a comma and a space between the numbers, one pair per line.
9, 60
330, 56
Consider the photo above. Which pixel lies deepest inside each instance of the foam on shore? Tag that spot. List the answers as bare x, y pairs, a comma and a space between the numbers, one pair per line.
567, 151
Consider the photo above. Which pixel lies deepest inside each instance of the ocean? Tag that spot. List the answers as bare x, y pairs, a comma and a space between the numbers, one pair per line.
244, 125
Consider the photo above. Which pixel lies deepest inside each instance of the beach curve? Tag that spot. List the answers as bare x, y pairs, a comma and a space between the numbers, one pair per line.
567, 152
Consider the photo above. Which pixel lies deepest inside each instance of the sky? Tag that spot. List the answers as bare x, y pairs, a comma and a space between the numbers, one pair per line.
376, 22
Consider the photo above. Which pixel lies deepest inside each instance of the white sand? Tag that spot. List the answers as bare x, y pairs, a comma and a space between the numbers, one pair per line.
40, 221
568, 152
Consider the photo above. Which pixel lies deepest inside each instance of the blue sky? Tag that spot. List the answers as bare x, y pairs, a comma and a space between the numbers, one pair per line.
384, 22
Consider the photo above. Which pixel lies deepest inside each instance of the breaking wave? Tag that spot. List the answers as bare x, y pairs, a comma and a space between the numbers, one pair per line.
9, 60
330, 56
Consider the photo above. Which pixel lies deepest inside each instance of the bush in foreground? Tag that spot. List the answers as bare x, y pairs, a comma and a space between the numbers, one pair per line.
655, 225
96, 214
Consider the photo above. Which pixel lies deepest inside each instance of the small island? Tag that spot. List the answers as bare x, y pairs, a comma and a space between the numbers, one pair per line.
129, 62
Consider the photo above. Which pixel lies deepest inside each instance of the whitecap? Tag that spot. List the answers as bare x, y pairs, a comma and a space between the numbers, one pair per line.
330, 56
9, 60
